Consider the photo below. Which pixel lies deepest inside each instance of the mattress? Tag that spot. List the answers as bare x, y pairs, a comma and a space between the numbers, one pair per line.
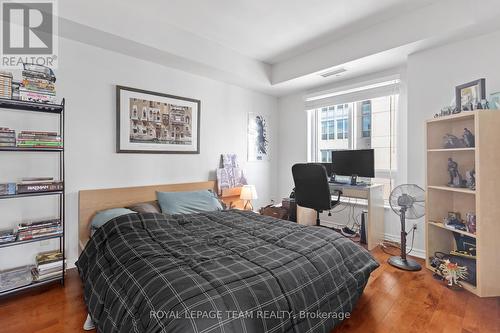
229, 271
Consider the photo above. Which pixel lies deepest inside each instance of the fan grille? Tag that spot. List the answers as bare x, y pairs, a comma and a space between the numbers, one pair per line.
411, 197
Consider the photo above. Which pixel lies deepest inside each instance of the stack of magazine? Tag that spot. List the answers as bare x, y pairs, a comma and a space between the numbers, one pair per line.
7, 236
15, 278
39, 184
7, 188
33, 230
38, 84
7, 137
49, 265
38, 139
5, 85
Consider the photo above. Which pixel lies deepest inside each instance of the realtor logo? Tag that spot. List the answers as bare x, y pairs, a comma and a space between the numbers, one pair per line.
28, 33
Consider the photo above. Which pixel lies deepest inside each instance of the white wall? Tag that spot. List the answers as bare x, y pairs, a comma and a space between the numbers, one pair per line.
432, 78
293, 139
86, 77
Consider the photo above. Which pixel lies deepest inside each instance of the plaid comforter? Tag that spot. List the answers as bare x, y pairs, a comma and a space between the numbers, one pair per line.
230, 271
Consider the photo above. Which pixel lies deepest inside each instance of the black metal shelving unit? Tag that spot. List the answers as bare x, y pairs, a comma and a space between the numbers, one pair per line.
58, 110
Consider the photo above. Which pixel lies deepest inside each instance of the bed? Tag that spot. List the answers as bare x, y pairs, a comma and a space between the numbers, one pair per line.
222, 271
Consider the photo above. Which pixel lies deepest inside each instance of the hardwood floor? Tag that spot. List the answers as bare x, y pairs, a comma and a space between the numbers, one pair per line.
393, 301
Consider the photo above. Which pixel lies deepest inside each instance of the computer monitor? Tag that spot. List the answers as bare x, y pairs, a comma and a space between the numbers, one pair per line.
354, 163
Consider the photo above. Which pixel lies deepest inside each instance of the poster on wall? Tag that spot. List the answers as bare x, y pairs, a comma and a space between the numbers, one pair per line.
156, 123
258, 137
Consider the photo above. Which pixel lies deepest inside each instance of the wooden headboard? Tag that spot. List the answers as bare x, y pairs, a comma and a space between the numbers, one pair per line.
92, 201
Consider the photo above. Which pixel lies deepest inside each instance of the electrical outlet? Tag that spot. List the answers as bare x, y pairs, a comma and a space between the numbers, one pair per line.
414, 226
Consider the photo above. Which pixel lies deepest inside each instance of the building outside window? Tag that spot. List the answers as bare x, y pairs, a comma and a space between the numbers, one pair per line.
327, 124
326, 156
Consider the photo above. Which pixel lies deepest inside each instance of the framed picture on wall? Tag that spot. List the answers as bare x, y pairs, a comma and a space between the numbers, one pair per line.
257, 137
156, 123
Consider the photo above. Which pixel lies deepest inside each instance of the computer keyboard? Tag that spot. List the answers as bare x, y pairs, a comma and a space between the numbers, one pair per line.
348, 184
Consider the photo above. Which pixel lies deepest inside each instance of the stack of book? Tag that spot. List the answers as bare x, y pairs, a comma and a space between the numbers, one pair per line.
39, 184
7, 189
5, 85
38, 84
39, 139
7, 236
33, 230
48, 265
7, 137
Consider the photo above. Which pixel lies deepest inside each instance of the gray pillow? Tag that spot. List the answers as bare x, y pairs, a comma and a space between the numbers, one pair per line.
188, 202
106, 215
146, 207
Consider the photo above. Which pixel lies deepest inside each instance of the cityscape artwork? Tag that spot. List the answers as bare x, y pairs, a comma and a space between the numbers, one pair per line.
150, 122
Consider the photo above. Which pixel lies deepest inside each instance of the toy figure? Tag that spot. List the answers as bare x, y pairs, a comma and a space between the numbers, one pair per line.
470, 177
453, 220
485, 105
455, 178
451, 141
452, 273
470, 222
468, 138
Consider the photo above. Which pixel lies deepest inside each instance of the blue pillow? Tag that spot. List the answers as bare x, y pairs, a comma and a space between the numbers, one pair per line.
188, 202
106, 215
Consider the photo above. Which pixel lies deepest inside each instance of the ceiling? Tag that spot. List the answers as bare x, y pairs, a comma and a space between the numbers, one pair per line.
275, 46
274, 30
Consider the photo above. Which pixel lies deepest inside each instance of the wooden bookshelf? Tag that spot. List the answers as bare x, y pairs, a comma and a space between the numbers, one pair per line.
484, 201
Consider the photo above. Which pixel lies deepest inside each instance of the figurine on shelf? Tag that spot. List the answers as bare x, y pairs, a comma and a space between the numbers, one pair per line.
454, 221
469, 106
468, 138
451, 141
446, 111
470, 178
452, 273
484, 104
455, 177
470, 222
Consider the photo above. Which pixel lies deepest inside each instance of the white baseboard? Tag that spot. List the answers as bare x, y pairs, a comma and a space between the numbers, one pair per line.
419, 253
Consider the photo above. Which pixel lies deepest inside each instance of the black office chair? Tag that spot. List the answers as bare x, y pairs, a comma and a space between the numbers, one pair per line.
312, 189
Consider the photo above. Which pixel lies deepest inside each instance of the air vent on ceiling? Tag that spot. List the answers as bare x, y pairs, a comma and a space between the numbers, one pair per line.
337, 71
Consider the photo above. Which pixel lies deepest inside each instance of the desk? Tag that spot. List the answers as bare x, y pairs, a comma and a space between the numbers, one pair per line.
374, 194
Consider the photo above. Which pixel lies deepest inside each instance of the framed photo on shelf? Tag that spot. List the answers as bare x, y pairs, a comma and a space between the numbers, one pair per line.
468, 95
155, 123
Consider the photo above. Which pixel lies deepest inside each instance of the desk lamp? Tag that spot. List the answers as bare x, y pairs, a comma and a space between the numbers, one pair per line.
248, 193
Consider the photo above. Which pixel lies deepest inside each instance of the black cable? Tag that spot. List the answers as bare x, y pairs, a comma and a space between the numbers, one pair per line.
344, 204
412, 239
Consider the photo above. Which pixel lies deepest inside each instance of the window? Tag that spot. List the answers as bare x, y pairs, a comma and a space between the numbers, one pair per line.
361, 124
342, 129
366, 119
327, 124
326, 156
